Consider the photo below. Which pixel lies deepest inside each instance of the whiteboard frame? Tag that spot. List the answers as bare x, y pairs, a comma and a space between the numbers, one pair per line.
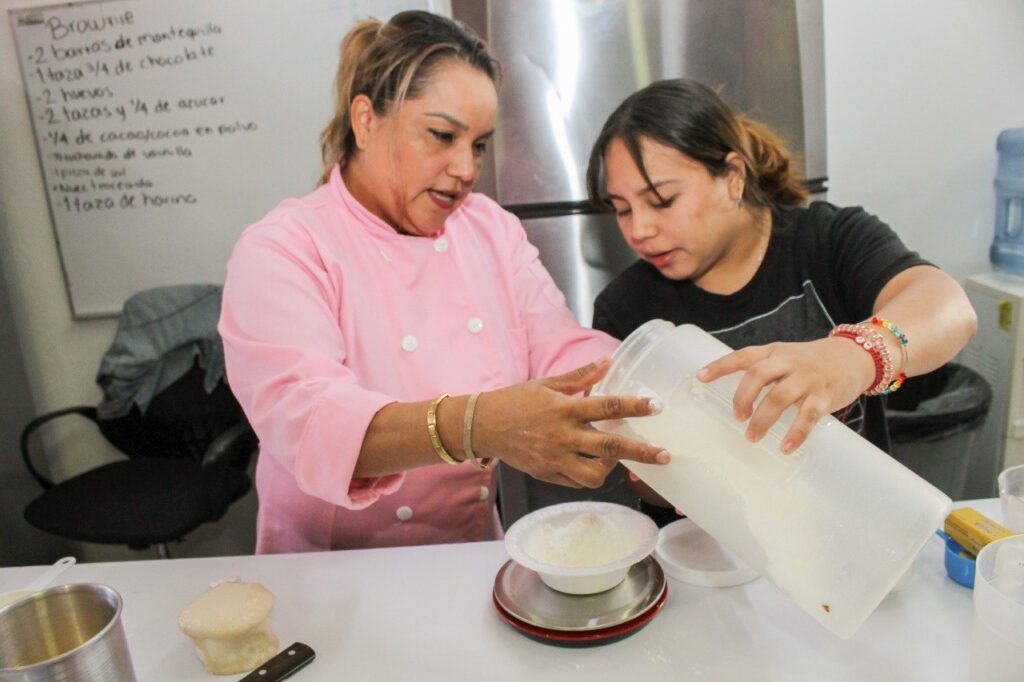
13, 18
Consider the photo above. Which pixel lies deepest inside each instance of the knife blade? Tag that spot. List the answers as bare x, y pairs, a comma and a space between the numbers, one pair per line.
285, 664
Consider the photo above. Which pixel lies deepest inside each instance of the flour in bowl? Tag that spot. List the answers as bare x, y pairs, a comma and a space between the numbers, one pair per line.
588, 540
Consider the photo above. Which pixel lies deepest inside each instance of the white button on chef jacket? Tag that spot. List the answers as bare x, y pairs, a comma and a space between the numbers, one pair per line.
475, 325
485, 492
409, 343
404, 513
441, 244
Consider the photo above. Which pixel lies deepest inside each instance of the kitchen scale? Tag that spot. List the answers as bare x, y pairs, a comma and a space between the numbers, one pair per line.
568, 620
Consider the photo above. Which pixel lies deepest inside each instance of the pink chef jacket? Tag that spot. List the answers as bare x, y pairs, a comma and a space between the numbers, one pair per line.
329, 314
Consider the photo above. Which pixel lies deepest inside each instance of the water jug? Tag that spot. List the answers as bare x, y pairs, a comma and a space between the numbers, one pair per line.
1007, 252
834, 525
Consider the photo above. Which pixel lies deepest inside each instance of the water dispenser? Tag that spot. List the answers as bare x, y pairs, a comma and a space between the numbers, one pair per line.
1007, 252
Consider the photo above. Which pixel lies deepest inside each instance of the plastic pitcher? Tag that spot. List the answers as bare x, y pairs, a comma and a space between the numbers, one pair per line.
834, 525
997, 643
1007, 251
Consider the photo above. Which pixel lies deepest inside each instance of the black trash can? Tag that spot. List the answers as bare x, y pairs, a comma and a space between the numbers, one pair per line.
933, 422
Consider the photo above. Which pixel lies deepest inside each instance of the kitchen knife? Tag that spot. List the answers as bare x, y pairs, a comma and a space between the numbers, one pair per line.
283, 665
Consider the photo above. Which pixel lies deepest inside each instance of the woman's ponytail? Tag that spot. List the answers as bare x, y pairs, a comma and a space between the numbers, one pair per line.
771, 166
336, 139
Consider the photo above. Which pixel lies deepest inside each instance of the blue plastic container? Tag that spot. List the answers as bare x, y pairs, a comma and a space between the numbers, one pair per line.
959, 562
1007, 252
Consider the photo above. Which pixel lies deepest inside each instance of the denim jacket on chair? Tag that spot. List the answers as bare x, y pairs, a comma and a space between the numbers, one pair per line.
160, 334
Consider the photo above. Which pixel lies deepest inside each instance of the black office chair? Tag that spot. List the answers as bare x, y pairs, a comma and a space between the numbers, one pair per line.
168, 409
186, 463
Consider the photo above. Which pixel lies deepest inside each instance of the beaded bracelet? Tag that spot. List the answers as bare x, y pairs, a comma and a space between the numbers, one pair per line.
435, 439
868, 338
900, 337
896, 383
872, 341
875, 357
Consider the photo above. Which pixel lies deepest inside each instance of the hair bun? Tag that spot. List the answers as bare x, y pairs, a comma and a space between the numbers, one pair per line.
776, 177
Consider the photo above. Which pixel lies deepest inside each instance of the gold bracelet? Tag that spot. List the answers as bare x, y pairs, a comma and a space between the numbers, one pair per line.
467, 434
435, 439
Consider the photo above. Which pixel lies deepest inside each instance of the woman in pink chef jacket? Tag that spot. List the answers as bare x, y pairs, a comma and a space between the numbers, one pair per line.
390, 333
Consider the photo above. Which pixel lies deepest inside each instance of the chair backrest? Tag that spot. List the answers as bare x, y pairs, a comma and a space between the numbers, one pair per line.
160, 334
180, 421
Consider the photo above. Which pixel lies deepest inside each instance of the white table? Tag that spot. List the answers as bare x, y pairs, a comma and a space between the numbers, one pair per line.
425, 613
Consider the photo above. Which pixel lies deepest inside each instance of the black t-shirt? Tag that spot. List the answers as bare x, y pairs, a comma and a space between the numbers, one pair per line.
824, 266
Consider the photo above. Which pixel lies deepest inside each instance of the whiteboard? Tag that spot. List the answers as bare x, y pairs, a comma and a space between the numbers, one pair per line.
164, 128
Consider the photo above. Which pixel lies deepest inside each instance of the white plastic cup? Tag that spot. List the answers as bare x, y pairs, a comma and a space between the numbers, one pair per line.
1011, 495
834, 525
997, 644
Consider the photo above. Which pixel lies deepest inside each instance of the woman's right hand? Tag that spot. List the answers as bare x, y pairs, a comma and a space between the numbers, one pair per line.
542, 428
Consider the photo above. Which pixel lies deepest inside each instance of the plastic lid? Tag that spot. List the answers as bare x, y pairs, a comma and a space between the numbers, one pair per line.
959, 563
690, 555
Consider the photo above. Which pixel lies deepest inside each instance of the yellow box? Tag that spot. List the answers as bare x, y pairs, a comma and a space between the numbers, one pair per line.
973, 530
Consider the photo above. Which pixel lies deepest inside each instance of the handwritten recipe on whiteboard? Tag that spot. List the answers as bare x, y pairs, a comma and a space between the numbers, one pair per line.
165, 128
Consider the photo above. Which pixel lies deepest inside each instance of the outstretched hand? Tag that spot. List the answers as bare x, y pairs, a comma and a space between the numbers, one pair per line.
818, 377
542, 427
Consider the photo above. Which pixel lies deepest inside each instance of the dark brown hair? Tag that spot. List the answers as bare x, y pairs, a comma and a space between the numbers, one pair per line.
389, 62
691, 118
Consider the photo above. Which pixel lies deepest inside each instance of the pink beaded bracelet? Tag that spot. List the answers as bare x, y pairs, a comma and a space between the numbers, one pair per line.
870, 339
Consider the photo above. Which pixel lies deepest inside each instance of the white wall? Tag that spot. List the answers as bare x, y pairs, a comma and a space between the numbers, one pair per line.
917, 92
20, 544
61, 355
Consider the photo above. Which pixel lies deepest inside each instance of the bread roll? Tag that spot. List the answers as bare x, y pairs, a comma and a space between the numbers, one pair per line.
230, 626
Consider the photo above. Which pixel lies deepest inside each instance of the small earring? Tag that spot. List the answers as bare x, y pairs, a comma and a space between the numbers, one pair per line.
739, 202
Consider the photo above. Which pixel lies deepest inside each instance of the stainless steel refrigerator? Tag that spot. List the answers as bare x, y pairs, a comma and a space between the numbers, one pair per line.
568, 63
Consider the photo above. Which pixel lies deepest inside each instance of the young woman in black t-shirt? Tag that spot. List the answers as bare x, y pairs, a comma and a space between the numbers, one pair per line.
711, 203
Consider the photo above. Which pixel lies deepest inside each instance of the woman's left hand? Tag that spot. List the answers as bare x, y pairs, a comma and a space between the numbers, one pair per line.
818, 377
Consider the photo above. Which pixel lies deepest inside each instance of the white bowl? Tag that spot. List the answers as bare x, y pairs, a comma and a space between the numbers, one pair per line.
581, 547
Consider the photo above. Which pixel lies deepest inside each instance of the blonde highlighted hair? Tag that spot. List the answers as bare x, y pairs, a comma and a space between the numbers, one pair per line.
389, 62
